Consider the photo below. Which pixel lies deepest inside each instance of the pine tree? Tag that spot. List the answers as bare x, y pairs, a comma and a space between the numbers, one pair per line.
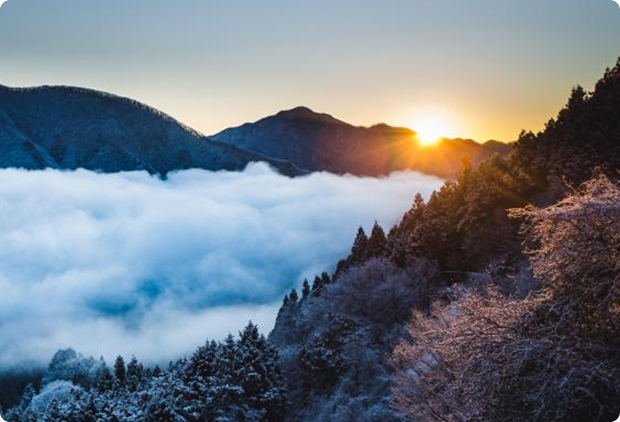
249, 335
286, 319
305, 291
135, 374
226, 387
260, 380
105, 381
227, 358
325, 279
293, 297
319, 283
317, 286
161, 413
204, 361
358, 251
90, 412
120, 370
377, 243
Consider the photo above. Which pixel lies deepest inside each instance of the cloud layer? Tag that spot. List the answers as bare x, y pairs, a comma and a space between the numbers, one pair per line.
128, 263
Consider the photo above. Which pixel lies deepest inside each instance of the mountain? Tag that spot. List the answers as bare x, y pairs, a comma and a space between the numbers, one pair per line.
320, 142
68, 128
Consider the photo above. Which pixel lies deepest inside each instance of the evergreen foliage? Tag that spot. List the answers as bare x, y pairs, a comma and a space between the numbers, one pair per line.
463, 240
236, 380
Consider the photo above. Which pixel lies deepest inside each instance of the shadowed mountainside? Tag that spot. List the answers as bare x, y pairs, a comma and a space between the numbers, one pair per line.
69, 128
320, 142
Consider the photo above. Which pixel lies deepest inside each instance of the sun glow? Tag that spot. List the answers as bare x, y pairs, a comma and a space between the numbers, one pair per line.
429, 131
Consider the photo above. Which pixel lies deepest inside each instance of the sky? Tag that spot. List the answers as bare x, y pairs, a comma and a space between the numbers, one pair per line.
131, 264
486, 68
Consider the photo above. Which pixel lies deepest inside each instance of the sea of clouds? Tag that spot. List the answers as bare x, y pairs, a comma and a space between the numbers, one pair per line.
131, 264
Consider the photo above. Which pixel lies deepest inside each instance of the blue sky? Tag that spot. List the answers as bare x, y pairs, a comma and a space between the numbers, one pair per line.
488, 67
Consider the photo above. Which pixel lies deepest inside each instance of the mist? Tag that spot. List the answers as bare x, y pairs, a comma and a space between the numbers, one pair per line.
131, 264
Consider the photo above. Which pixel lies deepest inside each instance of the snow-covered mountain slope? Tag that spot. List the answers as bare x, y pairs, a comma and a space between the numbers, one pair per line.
69, 128
320, 142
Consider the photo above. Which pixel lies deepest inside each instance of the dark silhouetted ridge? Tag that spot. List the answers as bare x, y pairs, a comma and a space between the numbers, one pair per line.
320, 142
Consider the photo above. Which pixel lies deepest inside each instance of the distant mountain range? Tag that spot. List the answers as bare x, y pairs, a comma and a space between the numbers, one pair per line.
320, 142
70, 128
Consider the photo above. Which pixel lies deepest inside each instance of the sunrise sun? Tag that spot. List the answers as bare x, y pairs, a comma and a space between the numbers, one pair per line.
429, 131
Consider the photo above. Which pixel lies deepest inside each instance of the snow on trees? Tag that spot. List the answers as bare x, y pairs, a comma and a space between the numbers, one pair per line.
553, 356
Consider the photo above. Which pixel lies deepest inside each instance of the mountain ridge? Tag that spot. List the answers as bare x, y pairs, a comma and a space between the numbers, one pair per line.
67, 127
71, 127
321, 142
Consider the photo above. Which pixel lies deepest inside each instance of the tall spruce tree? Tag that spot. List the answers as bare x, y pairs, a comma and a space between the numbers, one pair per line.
360, 247
377, 243
135, 374
120, 371
305, 291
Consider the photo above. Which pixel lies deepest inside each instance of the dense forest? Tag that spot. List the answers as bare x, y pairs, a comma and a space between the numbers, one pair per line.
498, 299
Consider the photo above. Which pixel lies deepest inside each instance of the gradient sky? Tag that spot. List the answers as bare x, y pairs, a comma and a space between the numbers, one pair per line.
488, 67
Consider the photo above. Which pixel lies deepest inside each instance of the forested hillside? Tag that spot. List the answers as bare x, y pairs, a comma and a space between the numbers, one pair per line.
235, 380
479, 347
496, 300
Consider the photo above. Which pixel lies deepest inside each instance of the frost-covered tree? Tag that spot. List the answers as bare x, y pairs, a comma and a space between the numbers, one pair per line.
552, 356
120, 371
135, 374
260, 376
105, 382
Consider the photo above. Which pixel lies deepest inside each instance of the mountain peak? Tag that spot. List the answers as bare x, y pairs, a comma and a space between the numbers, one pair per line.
305, 113
299, 110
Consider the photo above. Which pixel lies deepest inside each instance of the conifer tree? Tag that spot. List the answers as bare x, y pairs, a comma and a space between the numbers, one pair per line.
135, 373
293, 297
105, 381
377, 243
317, 286
90, 412
261, 377
325, 279
305, 291
360, 245
204, 362
120, 370
161, 413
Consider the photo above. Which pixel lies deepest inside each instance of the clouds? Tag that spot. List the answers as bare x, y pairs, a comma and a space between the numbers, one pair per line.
128, 263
